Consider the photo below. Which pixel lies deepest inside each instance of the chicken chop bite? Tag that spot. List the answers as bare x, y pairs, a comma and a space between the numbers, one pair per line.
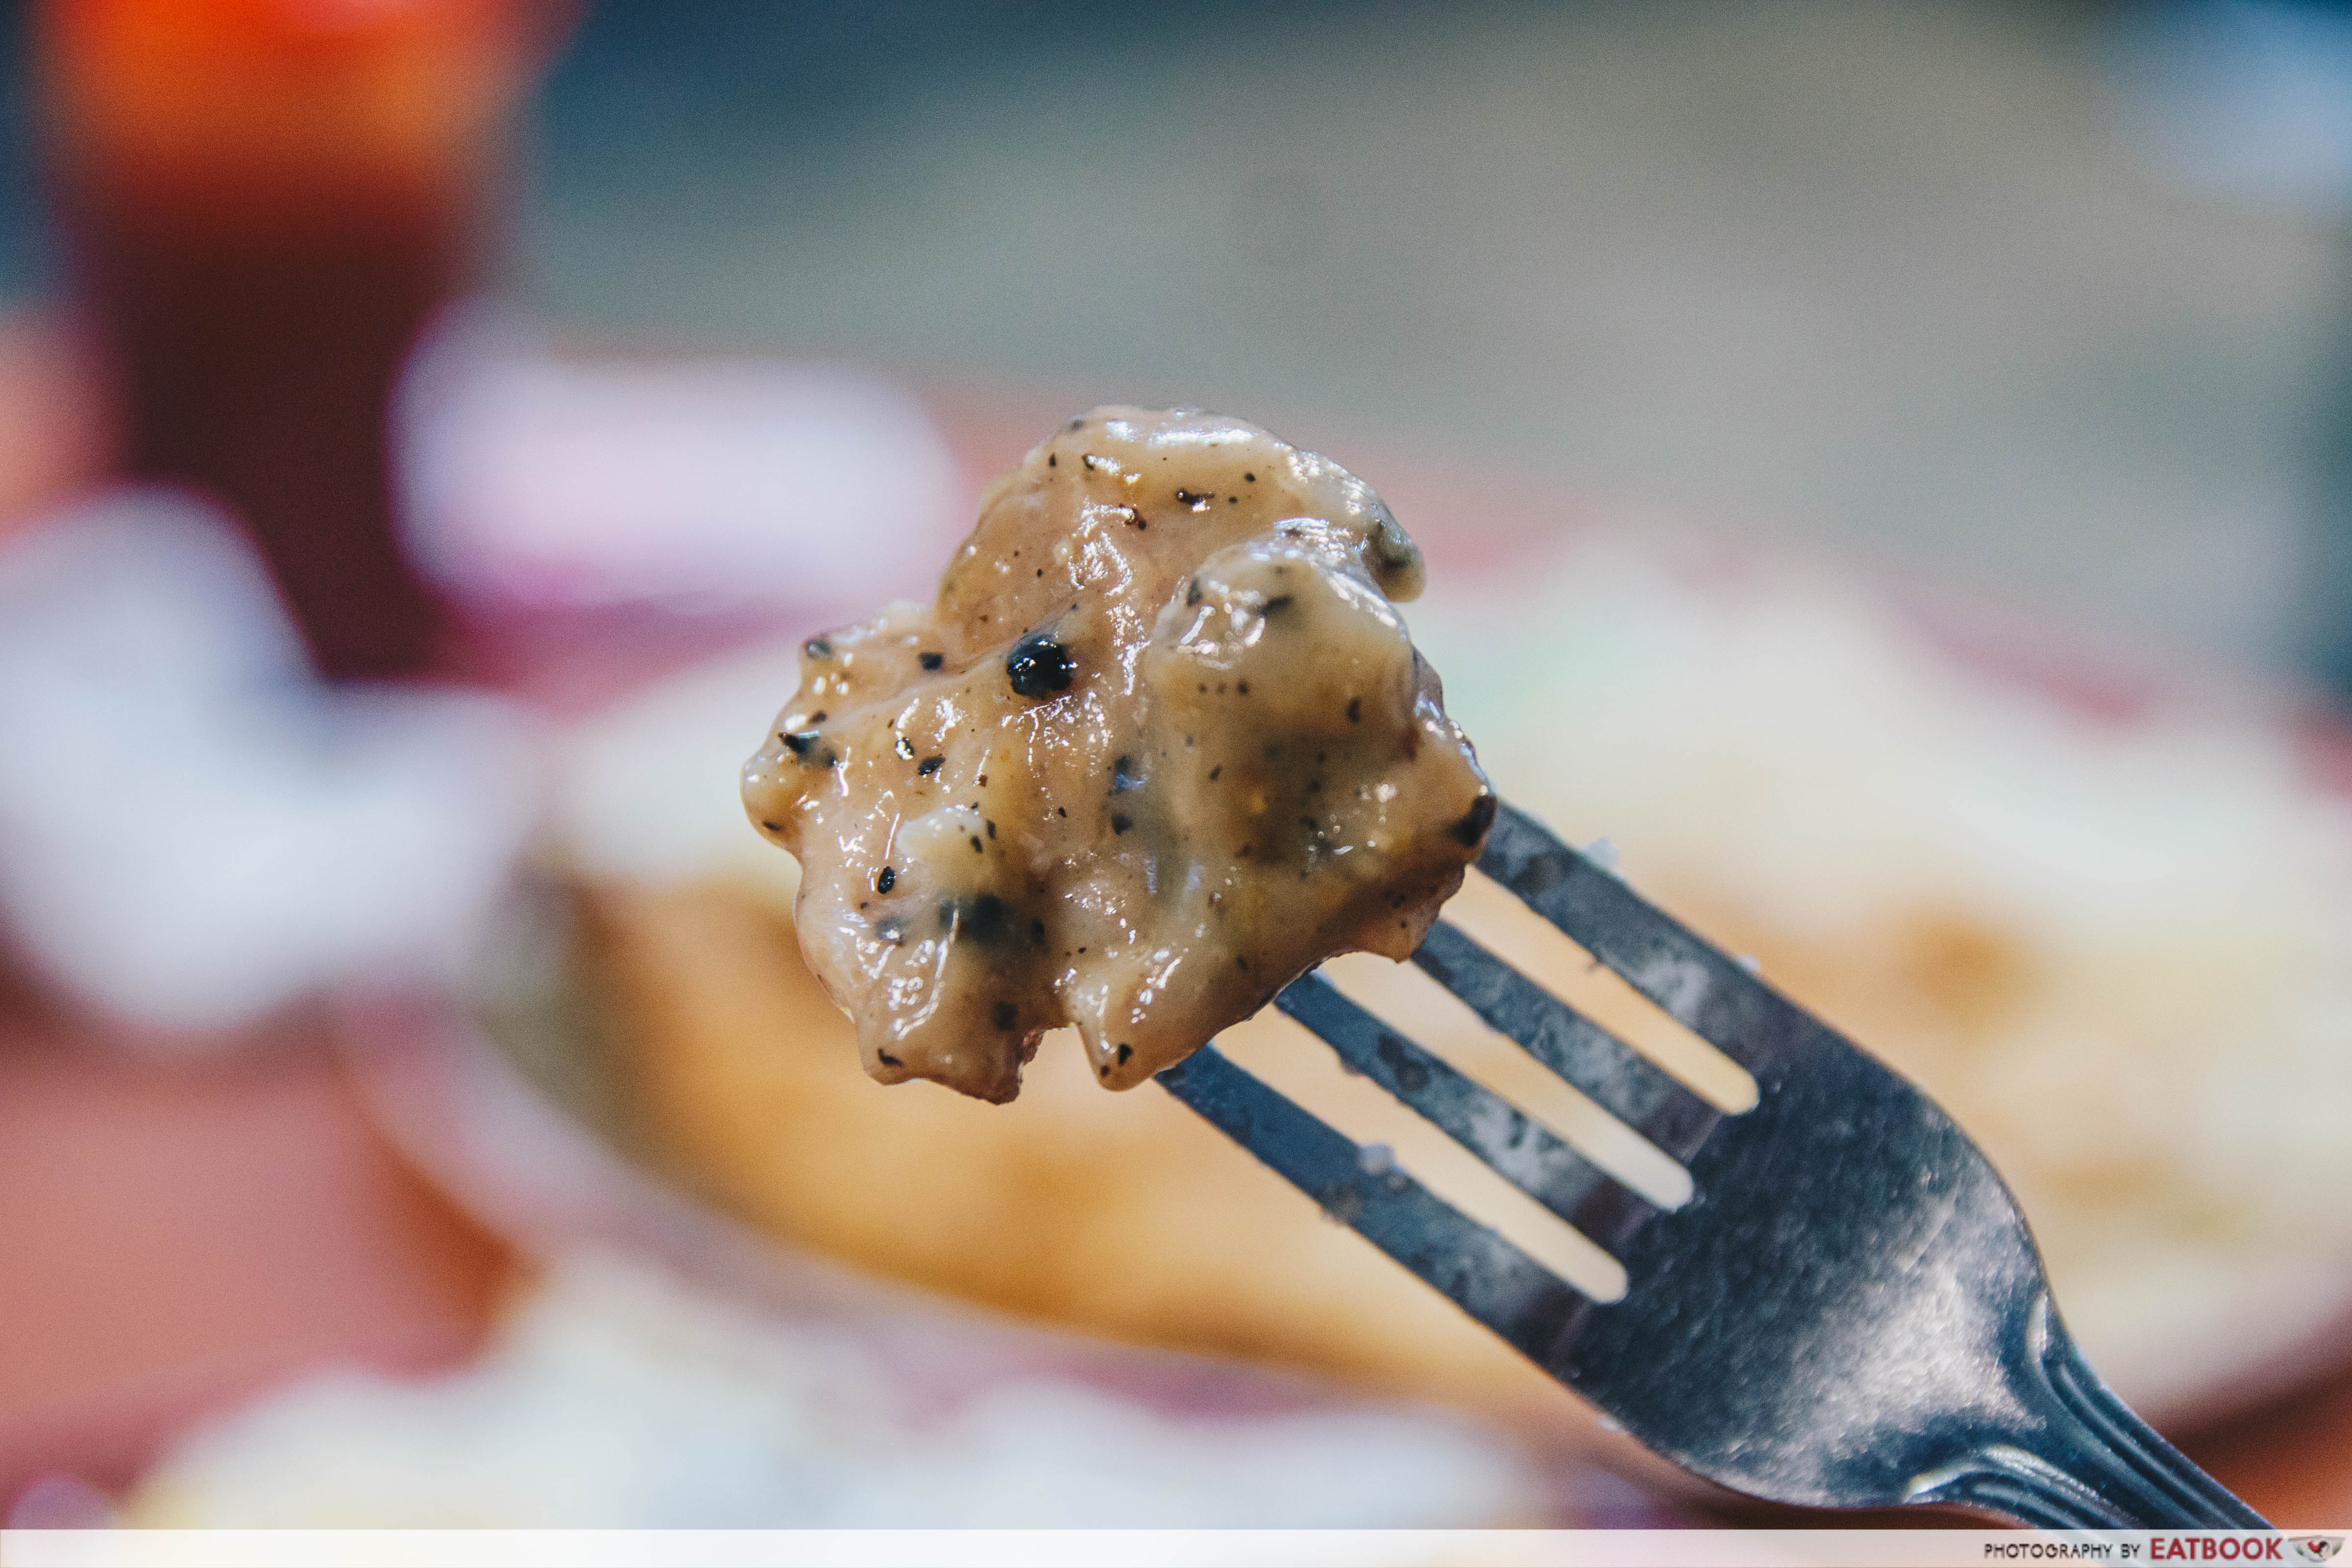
1161, 745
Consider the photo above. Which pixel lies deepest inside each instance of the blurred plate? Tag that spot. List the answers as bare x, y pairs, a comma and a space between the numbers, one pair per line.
1122, 1216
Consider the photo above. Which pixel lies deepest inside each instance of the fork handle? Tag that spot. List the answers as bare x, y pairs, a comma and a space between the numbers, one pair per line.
2093, 1465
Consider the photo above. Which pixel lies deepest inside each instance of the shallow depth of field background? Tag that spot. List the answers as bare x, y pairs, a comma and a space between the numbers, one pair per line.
2046, 300
2044, 307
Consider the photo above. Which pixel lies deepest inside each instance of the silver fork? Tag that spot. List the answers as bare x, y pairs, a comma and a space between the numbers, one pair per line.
1849, 1313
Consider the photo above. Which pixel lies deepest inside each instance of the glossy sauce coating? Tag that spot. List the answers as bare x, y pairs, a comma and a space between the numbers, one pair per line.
1161, 745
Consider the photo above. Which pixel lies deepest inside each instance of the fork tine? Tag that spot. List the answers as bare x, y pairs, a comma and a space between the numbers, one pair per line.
1609, 1072
1522, 1152
1480, 1272
1698, 983
1853, 1314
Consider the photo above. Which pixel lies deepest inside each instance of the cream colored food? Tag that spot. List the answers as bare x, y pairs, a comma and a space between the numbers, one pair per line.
1161, 744
617, 1395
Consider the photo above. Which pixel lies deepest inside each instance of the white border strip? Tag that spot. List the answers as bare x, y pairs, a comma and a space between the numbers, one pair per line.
1140, 1547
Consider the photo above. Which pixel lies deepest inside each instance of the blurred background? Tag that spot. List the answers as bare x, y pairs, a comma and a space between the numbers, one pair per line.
2045, 305
2045, 298
1957, 286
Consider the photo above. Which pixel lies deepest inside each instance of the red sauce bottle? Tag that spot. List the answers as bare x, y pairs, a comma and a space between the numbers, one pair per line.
264, 202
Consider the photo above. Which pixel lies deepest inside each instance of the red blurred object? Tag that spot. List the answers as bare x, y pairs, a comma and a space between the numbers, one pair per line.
52, 438
265, 202
179, 1235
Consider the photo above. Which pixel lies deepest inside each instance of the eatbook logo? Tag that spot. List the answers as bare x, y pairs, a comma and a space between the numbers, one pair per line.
2314, 1547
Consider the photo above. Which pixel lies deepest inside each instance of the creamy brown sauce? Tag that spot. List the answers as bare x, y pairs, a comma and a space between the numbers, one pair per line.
1161, 745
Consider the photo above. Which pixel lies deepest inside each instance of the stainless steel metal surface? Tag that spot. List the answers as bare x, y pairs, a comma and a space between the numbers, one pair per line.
1849, 1312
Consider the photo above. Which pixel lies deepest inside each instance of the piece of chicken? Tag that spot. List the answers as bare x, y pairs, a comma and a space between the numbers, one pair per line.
1161, 745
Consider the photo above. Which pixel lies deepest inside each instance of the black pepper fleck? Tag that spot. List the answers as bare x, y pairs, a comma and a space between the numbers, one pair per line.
975, 844
1038, 665
1192, 594
887, 880
930, 660
1355, 710
981, 918
927, 766
888, 1061
817, 647
1215, 771
1119, 824
1123, 776
1243, 687
1052, 461
800, 742
1125, 1051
